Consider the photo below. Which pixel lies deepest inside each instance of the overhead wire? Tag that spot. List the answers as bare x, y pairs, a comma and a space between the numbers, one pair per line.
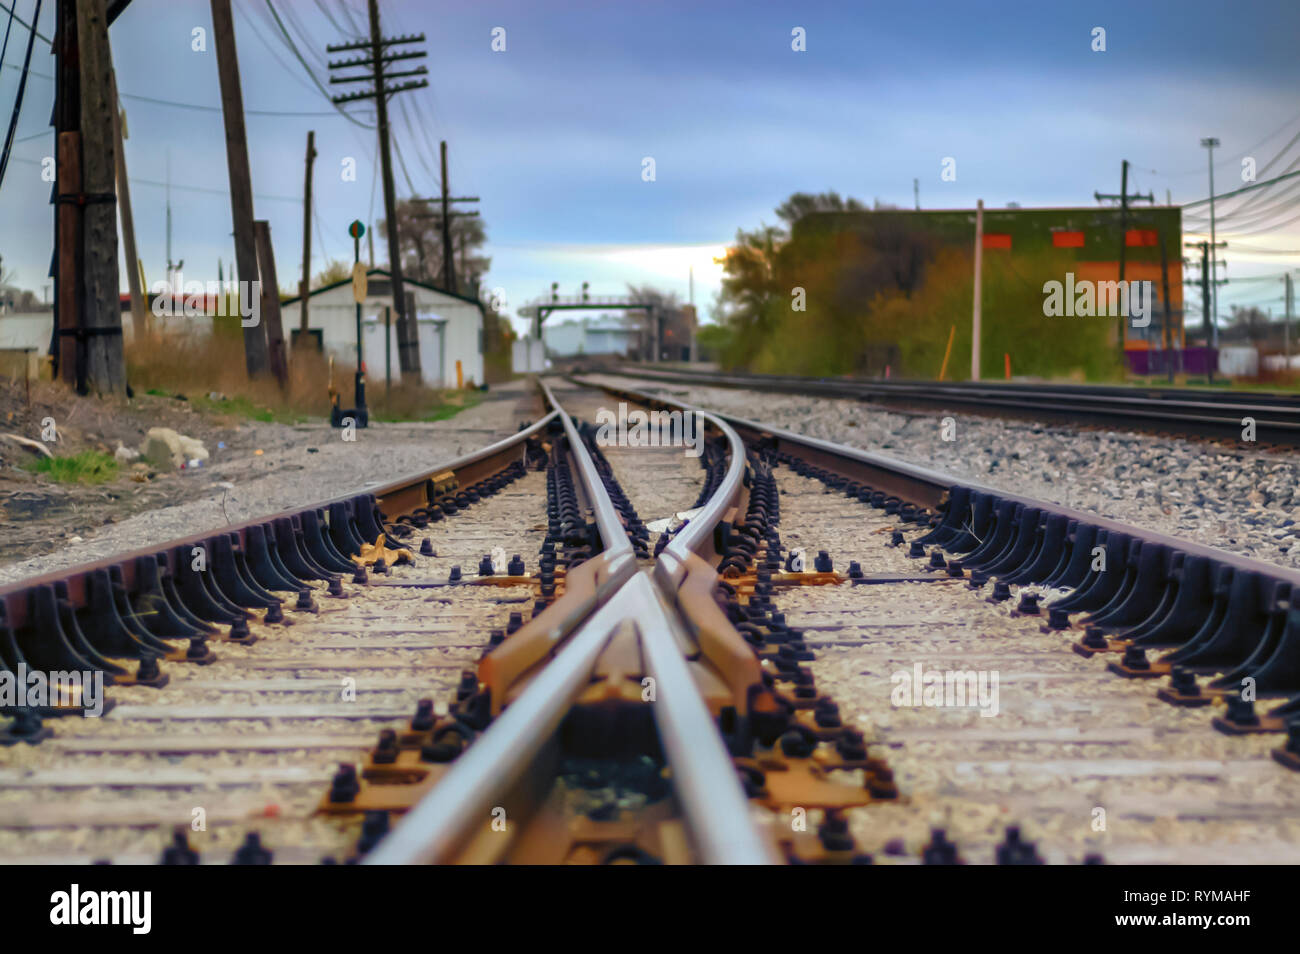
9, 9
22, 89
191, 106
293, 47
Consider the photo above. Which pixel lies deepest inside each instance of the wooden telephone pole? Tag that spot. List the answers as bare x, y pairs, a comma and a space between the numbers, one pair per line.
88, 309
256, 356
304, 287
87, 339
445, 199
1123, 198
1207, 283
408, 347
270, 303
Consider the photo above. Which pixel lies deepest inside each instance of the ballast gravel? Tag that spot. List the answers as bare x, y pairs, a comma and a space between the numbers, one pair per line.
1237, 498
302, 464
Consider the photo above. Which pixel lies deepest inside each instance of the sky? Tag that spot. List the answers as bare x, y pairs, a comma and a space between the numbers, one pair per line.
552, 132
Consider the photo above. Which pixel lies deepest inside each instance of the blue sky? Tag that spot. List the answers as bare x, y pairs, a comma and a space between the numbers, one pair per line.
551, 133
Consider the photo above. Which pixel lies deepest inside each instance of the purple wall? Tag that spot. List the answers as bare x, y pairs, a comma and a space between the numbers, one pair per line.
1186, 361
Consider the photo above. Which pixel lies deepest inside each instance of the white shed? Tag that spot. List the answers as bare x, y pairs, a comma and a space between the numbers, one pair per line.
450, 328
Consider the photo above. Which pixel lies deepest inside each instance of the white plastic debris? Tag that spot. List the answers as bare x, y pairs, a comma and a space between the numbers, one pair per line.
125, 455
162, 445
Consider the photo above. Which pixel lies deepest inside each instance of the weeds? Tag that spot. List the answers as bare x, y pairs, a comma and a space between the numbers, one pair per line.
209, 371
87, 467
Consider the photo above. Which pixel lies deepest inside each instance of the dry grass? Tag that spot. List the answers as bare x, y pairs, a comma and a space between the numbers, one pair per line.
197, 366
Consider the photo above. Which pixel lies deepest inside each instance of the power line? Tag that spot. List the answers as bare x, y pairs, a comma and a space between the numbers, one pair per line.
10, 10
4, 47
329, 16
397, 147
1227, 162
1264, 228
188, 188
22, 89
193, 106
294, 49
1253, 185
1258, 250
1267, 195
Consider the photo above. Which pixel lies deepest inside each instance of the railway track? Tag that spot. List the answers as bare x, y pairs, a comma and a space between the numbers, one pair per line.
1208, 413
592, 653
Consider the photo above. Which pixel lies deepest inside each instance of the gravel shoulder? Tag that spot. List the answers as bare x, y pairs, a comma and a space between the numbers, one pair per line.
1245, 501
263, 469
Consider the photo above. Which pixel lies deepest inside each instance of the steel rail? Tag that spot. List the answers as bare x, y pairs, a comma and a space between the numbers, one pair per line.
460, 803
670, 568
1191, 397
1277, 417
612, 532
930, 488
704, 780
395, 497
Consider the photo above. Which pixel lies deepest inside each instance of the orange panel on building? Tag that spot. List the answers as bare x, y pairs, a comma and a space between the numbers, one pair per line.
997, 240
1067, 239
1140, 237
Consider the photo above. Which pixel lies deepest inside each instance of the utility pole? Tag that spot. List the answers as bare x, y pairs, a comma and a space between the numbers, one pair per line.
446, 200
304, 287
916, 193
1206, 291
256, 357
1167, 334
1290, 303
1209, 143
66, 346
1123, 198
691, 299
975, 314
448, 263
101, 325
408, 348
271, 303
167, 201
139, 317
